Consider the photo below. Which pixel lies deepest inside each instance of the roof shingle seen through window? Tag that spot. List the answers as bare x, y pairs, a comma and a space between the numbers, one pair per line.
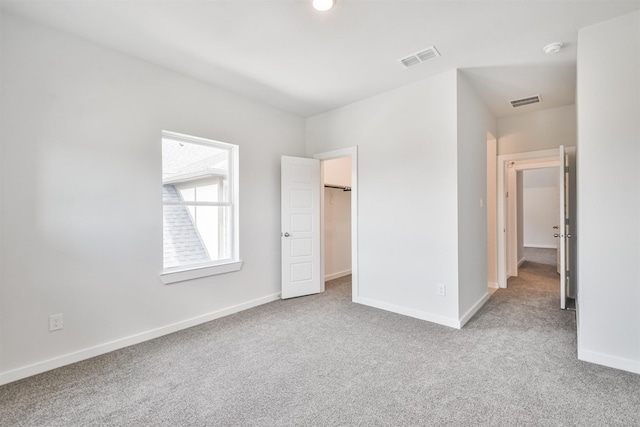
182, 244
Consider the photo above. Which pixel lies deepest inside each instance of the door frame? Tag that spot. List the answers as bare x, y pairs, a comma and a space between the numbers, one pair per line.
351, 152
520, 161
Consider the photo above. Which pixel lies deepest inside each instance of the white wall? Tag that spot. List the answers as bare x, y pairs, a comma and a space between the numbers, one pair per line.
608, 168
539, 130
337, 233
541, 207
407, 177
474, 121
82, 216
422, 175
337, 171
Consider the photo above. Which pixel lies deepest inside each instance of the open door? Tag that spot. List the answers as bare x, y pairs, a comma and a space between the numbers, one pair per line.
566, 231
300, 230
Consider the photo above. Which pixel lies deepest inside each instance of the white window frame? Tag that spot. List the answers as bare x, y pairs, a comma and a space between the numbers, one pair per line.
180, 274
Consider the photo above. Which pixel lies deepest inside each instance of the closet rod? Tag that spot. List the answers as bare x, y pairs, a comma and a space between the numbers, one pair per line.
338, 187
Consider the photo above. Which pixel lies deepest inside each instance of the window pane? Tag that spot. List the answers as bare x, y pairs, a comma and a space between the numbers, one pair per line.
188, 194
184, 162
212, 190
196, 234
196, 171
208, 193
181, 243
213, 225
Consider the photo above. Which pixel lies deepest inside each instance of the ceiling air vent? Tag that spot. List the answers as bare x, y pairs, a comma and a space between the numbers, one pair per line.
418, 57
525, 101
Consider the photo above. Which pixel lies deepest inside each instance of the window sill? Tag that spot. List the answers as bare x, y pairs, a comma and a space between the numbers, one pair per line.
174, 276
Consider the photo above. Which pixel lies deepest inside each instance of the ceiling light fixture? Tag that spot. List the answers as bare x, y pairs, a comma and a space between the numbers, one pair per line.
552, 48
322, 5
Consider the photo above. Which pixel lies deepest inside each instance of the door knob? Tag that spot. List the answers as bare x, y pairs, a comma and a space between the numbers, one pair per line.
556, 235
287, 234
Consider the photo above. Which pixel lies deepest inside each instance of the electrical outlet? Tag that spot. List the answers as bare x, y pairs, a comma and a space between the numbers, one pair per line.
442, 289
55, 322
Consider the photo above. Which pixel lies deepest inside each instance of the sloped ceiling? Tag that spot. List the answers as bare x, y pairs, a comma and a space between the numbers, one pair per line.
288, 55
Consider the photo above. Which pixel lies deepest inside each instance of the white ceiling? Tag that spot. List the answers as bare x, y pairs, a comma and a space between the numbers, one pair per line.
288, 55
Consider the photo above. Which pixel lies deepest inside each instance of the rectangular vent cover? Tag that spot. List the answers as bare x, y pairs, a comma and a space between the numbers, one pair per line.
418, 57
525, 101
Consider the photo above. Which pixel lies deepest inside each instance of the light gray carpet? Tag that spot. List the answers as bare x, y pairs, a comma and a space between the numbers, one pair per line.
541, 255
324, 361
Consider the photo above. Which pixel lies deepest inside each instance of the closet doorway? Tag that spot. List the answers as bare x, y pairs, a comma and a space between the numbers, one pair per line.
339, 216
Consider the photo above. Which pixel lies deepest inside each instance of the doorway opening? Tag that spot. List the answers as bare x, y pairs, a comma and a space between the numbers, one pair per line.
512, 171
339, 217
508, 167
336, 220
538, 210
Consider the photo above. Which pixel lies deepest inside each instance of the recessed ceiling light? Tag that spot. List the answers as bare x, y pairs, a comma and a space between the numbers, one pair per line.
322, 5
552, 48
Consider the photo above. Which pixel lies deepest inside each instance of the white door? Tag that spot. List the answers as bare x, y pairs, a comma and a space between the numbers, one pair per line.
512, 220
562, 242
566, 231
556, 228
300, 232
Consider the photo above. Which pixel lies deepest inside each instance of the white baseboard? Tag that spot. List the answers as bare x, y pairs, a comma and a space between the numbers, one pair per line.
469, 314
526, 245
521, 261
608, 360
411, 312
67, 359
337, 275
493, 285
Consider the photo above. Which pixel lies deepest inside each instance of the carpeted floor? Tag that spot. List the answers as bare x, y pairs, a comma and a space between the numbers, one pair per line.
324, 361
541, 255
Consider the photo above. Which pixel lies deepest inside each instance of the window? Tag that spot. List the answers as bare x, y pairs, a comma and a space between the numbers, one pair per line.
200, 207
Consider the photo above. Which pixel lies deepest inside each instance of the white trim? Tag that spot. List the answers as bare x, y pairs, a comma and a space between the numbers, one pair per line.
411, 312
56, 362
616, 362
474, 309
493, 285
193, 176
336, 275
336, 154
540, 246
521, 261
175, 276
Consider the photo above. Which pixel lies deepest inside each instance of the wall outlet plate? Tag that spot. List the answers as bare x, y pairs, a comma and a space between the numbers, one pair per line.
55, 322
441, 289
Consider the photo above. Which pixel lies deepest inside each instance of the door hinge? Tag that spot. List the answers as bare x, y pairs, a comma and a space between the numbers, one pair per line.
566, 169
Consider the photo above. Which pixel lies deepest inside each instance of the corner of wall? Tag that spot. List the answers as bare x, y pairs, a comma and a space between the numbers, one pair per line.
474, 121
